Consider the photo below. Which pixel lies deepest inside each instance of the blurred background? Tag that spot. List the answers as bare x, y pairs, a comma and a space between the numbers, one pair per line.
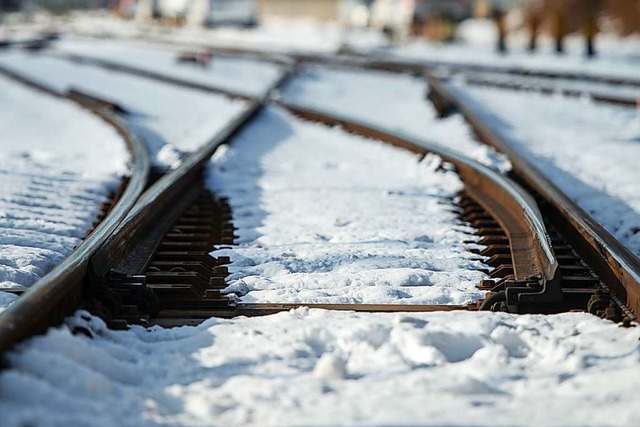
397, 19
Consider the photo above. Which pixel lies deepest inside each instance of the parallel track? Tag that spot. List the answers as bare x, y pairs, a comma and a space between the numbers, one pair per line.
507, 78
399, 65
140, 266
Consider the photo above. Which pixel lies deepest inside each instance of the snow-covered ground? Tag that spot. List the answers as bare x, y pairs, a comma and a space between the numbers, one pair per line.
477, 46
589, 150
317, 225
397, 101
319, 368
58, 162
241, 75
170, 119
323, 216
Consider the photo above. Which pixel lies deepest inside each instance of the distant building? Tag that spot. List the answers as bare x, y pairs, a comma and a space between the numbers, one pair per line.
320, 10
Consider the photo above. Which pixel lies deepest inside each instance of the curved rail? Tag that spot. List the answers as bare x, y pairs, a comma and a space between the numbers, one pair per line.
514, 209
159, 198
148, 210
605, 253
142, 72
59, 292
139, 208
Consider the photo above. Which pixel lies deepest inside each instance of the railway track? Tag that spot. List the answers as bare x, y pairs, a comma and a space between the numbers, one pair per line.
397, 65
61, 291
598, 92
598, 88
605, 255
148, 261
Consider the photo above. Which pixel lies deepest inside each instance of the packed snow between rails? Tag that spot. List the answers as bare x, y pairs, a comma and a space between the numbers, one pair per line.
328, 217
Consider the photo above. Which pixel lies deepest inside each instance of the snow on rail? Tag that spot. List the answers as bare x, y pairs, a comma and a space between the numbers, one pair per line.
393, 100
315, 367
58, 163
170, 119
328, 217
589, 150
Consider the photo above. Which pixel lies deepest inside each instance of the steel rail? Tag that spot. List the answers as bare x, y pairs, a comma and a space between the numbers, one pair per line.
612, 260
512, 207
57, 293
398, 65
473, 74
84, 272
539, 87
127, 250
171, 318
516, 212
160, 196
142, 72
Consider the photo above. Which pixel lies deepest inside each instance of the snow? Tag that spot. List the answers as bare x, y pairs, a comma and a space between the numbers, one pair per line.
171, 119
476, 46
324, 216
315, 367
6, 299
242, 75
283, 35
397, 101
589, 150
58, 163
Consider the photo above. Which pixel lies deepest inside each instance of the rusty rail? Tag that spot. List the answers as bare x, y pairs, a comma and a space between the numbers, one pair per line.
532, 255
613, 262
550, 89
397, 65
60, 291
363, 62
535, 267
513, 208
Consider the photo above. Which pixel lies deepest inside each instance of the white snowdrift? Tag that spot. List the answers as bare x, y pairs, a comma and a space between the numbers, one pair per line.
319, 368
